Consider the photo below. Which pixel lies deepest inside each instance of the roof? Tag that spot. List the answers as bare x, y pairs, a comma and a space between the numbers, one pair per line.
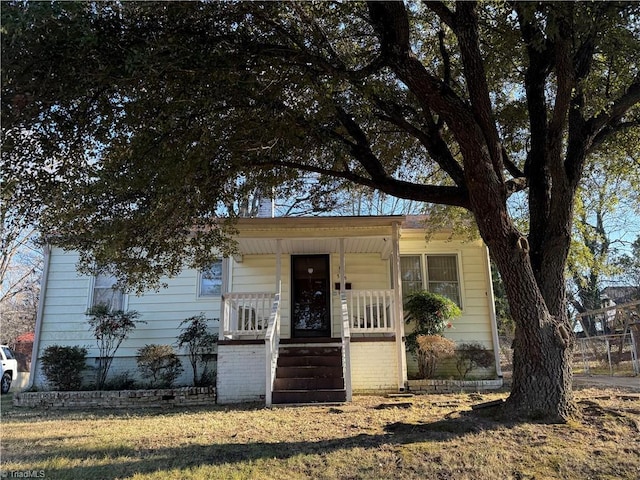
25, 338
309, 235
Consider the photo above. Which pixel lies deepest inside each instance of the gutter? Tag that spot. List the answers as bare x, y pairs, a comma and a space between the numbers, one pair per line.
39, 315
492, 315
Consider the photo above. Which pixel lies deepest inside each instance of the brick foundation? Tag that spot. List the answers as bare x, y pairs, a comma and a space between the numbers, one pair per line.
453, 386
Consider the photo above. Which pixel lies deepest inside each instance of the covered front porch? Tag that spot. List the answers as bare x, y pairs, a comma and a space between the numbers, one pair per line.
334, 285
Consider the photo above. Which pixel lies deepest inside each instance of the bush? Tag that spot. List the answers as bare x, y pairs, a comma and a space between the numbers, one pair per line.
472, 355
200, 345
432, 349
63, 366
159, 364
110, 328
124, 381
432, 314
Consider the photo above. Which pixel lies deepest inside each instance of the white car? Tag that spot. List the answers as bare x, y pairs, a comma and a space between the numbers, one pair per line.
9, 368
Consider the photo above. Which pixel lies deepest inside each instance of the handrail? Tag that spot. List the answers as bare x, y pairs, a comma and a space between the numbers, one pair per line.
271, 343
346, 347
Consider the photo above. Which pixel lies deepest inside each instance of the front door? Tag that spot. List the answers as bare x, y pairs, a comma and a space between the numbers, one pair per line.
310, 299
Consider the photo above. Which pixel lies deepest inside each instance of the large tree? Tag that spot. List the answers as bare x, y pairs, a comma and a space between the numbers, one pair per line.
136, 122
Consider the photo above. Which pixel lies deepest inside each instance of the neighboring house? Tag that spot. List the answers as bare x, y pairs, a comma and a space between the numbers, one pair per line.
619, 295
23, 348
310, 309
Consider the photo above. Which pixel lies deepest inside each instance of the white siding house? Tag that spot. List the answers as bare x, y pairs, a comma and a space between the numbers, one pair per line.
307, 304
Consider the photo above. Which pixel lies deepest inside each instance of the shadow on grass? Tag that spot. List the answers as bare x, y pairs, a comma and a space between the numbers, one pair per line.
8, 411
123, 461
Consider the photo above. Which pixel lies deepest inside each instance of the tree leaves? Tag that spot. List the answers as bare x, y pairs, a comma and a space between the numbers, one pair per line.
135, 127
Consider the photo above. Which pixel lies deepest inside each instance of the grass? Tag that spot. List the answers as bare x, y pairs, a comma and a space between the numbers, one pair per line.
431, 436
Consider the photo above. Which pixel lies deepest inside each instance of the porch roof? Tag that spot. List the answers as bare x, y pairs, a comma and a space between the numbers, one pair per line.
309, 235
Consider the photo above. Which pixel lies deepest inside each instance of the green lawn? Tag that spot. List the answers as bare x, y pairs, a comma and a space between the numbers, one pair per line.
426, 437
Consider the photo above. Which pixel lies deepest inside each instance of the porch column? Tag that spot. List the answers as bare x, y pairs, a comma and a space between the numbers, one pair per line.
279, 265
399, 313
342, 267
344, 327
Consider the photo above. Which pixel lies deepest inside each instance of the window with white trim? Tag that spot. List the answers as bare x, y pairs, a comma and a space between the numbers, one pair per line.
210, 280
435, 273
106, 293
442, 276
411, 274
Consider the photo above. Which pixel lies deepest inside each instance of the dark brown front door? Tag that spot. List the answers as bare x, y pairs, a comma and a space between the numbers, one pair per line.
310, 300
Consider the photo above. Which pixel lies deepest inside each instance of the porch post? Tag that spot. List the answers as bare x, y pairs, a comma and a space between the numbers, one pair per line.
279, 266
342, 267
345, 330
492, 314
224, 321
399, 313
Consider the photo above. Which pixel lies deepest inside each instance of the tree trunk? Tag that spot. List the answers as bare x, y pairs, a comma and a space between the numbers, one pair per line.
542, 377
542, 348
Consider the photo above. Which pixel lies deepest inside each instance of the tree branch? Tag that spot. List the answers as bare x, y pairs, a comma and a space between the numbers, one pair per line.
447, 195
609, 130
431, 140
446, 16
392, 25
511, 167
476, 79
361, 150
617, 109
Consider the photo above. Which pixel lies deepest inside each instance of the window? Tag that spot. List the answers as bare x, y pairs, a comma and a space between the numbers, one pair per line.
105, 293
411, 273
8, 353
441, 275
210, 284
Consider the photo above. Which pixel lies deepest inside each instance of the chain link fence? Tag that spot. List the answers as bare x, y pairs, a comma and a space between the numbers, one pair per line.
607, 355
614, 349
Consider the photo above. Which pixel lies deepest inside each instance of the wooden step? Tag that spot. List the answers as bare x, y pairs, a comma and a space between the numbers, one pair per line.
309, 396
310, 360
308, 383
310, 341
306, 351
309, 372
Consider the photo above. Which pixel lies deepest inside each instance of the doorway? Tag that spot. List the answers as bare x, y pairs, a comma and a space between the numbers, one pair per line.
311, 295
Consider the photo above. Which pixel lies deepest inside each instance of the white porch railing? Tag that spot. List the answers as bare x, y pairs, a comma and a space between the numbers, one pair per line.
246, 313
371, 311
346, 347
272, 344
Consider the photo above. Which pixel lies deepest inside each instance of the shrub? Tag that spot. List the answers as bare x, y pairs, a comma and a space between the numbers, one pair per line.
159, 364
472, 355
110, 328
63, 366
124, 381
432, 349
432, 314
200, 345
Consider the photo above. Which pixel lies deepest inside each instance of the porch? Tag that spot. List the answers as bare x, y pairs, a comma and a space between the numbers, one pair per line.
313, 317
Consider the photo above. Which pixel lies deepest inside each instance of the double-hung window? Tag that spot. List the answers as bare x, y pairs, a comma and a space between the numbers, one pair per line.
442, 276
210, 280
106, 293
435, 273
411, 274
